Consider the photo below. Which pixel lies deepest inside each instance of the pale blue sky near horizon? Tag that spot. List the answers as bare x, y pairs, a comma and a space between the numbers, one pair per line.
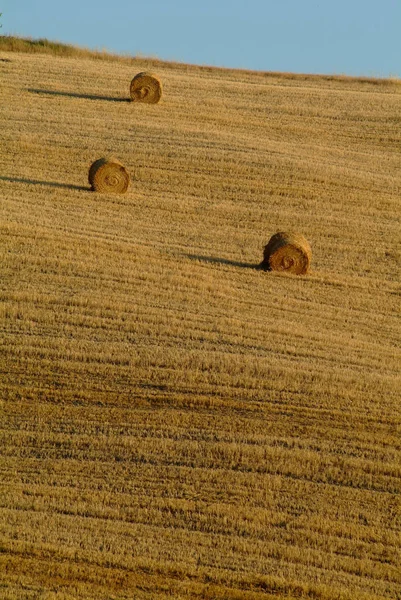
354, 37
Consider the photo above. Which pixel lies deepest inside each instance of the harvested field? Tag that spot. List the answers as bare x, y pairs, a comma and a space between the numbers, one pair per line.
175, 422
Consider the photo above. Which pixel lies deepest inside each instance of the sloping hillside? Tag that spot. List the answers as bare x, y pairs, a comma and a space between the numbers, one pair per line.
176, 423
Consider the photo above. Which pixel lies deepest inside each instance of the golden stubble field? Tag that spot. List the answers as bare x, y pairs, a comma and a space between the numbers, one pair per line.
175, 423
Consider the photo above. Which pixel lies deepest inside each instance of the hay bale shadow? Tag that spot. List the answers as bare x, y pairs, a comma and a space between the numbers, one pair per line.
49, 183
223, 261
76, 95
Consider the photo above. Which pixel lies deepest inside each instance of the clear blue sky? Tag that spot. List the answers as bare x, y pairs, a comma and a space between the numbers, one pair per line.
354, 37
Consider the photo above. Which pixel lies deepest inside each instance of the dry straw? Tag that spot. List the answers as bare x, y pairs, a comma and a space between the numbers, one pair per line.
108, 175
146, 87
289, 252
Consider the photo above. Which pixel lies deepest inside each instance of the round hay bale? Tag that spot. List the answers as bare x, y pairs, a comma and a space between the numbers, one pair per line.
146, 87
108, 175
289, 252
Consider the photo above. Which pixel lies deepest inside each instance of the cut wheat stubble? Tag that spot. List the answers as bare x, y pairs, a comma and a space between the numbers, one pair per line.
146, 87
108, 175
289, 252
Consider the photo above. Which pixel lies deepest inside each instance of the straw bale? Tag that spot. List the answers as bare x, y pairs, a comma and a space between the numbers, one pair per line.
146, 87
286, 251
108, 175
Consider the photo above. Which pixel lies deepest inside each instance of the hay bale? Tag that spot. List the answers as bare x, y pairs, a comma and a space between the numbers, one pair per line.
146, 87
108, 175
289, 252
